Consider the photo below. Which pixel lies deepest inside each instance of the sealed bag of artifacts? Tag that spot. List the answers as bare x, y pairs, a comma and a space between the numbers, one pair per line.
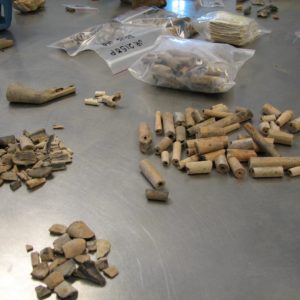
193, 65
118, 44
225, 27
170, 23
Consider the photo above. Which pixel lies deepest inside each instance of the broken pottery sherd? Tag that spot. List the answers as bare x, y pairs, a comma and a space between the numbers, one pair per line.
42, 292
74, 247
54, 279
59, 242
67, 268
47, 254
103, 248
111, 272
66, 290
58, 229
79, 229
40, 271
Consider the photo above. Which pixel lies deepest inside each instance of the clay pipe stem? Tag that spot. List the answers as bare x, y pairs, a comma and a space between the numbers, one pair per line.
260, 141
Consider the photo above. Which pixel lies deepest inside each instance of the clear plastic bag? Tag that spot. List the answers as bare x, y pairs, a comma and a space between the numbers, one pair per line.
193, 65
170, 23
225, 27
118, 44
211, 3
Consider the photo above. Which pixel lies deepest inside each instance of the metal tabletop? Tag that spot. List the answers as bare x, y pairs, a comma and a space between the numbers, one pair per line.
218, 238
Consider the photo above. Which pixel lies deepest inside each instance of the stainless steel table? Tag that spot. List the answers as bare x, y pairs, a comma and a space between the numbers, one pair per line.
218, 238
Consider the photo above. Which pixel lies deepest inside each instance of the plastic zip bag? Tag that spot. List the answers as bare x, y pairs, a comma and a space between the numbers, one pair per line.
193, 65
118, 44
170, 23
225, 27
211, 3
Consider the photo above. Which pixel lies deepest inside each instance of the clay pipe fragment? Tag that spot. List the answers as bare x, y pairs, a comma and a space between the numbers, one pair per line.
179, 119
111, 101
151, 173
294, 126
263, 172
238, 117
48, 145
156, 195
188, 117
260, 141
4, 43
286, 162
168, 125
145, 137
165, 158
17, 93
158, 123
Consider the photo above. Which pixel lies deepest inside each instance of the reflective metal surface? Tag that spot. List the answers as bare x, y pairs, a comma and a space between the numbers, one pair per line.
218, 238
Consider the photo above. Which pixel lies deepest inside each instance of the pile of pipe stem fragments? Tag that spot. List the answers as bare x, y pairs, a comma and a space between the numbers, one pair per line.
101, 97
203, 136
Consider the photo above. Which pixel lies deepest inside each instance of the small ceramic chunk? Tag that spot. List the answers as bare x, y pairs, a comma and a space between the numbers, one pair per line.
2, 152
74, 247
111, 272
54, 279
67, 268
88, 271
58, 229
35, 258
156, 195
38, 164
79, 229
40, 271
57, 262
29, 248
59, 242
26, 143
12, 148
37, 136
59, 166
82, 258
42, 292
66, 290
5, 140
7, 159
47, 254
25, 158
103, 248
43, 172
23, 175
15, 185
91, 246
102, 263
9, 176
4, 168
34, 183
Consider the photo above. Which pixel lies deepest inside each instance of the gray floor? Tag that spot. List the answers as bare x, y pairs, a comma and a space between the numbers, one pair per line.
217, 239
